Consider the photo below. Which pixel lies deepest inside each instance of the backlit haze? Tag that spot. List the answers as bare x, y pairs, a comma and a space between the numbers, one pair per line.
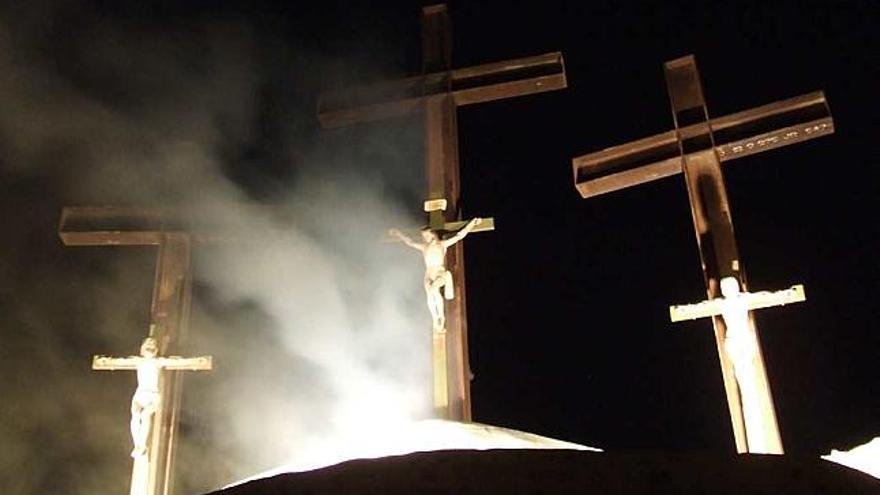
315, 323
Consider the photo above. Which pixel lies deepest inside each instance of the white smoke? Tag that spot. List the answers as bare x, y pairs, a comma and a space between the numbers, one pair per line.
317, 330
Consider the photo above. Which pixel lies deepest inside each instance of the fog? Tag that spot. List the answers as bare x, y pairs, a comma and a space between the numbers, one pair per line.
316, 323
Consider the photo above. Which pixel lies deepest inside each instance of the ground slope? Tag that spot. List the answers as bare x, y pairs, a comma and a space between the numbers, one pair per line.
569, 472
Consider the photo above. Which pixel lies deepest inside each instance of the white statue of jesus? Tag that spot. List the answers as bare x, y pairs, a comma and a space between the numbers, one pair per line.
145, 401
740, 347
740, 341
437, 277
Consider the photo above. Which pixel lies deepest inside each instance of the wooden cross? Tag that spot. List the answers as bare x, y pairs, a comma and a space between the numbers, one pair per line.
437, 93
697, 147
146, 404
169, 315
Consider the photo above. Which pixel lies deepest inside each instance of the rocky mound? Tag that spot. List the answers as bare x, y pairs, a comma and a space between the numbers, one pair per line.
568, 472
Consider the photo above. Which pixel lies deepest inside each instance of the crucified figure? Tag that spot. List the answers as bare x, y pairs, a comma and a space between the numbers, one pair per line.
740, 341
147, 396
437, 277
145, 401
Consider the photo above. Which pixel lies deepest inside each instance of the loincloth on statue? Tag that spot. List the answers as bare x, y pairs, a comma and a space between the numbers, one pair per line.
436, 278
145, 398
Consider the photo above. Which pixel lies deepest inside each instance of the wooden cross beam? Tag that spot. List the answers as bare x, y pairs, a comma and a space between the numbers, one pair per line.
169, 315
736, 135
139, 226
467, 86
436, 94
696, 147
147, 435
753, 301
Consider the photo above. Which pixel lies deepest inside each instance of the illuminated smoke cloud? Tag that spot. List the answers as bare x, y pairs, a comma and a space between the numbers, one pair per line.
316, 333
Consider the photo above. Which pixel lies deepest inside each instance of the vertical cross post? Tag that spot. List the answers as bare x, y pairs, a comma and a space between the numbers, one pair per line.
443, 182
438, 225
710, 211
172, 293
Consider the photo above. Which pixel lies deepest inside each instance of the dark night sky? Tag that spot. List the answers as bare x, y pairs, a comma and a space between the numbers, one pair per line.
568, 298
569, 330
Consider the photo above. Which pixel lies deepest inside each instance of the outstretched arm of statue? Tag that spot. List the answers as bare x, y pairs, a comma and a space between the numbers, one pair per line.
115, 363
463, 232
180, 363
406, 240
